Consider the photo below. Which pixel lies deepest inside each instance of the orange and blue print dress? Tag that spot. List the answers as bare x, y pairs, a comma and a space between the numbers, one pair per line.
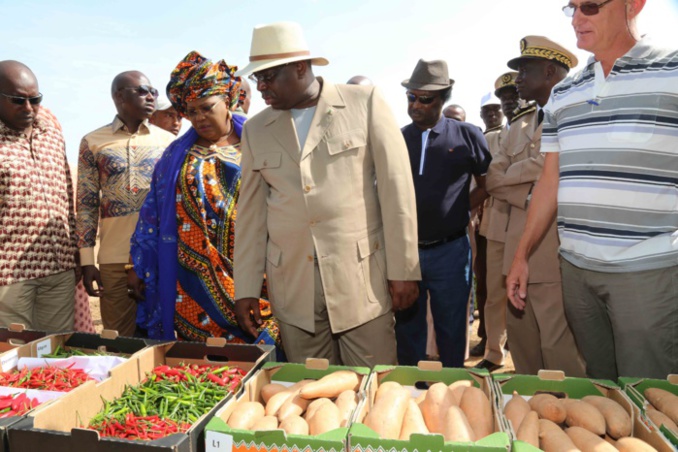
206, 196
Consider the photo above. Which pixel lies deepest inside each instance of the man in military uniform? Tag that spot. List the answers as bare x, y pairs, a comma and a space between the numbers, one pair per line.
539, 335
493, 232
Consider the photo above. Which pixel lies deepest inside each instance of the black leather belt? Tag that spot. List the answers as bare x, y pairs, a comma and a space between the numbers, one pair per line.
424, 245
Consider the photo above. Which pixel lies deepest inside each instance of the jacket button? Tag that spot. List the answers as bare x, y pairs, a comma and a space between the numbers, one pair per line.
310, 258
265, 162
307, 188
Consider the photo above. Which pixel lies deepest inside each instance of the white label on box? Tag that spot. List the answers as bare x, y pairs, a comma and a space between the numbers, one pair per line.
215, 441
9, 360
44, 347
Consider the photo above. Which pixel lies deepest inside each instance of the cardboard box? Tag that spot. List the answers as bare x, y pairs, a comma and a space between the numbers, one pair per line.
557, 383
635, 388
363, 439
15, 335
61, 426
220, 437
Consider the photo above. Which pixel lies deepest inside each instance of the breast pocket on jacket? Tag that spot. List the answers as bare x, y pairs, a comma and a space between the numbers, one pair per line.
270, 160
350, 141
373, 263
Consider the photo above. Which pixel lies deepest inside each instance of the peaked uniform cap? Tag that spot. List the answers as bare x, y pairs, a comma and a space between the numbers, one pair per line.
506, 80
277, 44
542, 48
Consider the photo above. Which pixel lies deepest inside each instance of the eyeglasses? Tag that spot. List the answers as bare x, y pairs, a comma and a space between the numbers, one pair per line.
412, 98
143, 90
20, 100
587, 9
267, 76
204, 110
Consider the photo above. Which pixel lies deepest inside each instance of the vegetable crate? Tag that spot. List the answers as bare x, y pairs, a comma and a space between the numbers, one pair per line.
557, 384
62, 427
15, 335
40, 346
220, 436
362, 438
635, 388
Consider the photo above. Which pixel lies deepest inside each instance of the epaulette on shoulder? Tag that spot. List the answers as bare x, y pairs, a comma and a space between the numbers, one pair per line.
522, 111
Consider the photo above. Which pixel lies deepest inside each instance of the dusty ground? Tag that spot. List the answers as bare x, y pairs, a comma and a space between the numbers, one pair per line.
508, 365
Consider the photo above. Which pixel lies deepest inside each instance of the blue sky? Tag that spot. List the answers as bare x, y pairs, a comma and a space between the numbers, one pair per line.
77, 47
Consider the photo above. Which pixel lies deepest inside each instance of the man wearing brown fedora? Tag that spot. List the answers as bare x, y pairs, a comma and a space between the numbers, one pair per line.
444, 155
539, 335
339, 256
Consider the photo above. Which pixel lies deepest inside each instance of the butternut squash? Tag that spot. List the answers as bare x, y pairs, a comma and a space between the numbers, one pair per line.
294, 425
529, 429
582, 414
553, 439
331, 385
457, 427
515, 410
438, 400
548, 407
326, 418
266, 423
346, 402
245, 415
664, 401
387, 414
660, 419
587, 441
413, 421
617, 420
270, 389
628, 444
476, 406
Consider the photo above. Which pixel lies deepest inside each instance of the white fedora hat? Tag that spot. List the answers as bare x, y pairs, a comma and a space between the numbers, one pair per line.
276, 44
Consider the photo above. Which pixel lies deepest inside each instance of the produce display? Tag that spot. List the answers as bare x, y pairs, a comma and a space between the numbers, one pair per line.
16, 404
63, 352
47, 378
305, 408
593, 423
169, 401
663, 409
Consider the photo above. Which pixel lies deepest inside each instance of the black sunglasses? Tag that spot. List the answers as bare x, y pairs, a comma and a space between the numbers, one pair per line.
412, 98
143, 90
587, 9
19, 100
267, 76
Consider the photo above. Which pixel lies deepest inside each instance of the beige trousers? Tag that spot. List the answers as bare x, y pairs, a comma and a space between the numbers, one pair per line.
46, 304
118, 310
495, 306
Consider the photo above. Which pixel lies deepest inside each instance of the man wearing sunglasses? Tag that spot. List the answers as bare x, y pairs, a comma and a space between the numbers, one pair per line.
611, 159
37, 240
339, 254
114, 174
444, 156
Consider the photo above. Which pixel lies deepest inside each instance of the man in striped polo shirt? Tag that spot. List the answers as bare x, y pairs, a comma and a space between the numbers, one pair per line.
611, 170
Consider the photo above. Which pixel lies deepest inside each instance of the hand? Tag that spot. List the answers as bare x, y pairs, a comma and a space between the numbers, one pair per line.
135, 286
78, 269
248, 314
516, 282
403, 294
91, 274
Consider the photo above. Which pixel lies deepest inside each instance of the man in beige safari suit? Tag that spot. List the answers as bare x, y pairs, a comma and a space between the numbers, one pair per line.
338, 255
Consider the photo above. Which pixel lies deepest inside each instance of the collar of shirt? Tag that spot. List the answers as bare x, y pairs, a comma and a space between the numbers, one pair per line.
117, 124
641, 49
39, 125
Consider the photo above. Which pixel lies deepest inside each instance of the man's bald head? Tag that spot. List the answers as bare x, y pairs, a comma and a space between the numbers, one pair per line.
18, 81
359, 80
455, 112
125, 79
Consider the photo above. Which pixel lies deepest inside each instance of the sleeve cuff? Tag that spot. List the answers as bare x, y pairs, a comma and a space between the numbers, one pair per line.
86, 256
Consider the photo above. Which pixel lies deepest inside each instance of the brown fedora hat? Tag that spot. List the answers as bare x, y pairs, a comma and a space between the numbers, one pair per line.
429, 76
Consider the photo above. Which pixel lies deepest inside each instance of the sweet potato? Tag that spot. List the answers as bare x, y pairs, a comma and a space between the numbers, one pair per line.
457, 389
553, 439
456, 426
245, 415
413, 421
270, 389
529, 429
346, 402
582, 414
387, 414
660, 419
331, 385
294, 425
266, 423
516, 409
628, 444
548, 407
326, 418
387, 387
617, 420
420, 398
476, 406
587, 441
277, 400
664, 401
438, 400
313, 406
295, 405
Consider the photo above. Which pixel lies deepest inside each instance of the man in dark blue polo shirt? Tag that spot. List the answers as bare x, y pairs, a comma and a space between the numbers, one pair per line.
444, 155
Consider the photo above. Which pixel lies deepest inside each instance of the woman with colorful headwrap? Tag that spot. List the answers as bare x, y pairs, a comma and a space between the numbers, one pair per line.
183, 243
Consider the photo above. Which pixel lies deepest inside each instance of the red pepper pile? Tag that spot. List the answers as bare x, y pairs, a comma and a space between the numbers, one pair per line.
16, 404
230, 376
45, 378
141, 427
